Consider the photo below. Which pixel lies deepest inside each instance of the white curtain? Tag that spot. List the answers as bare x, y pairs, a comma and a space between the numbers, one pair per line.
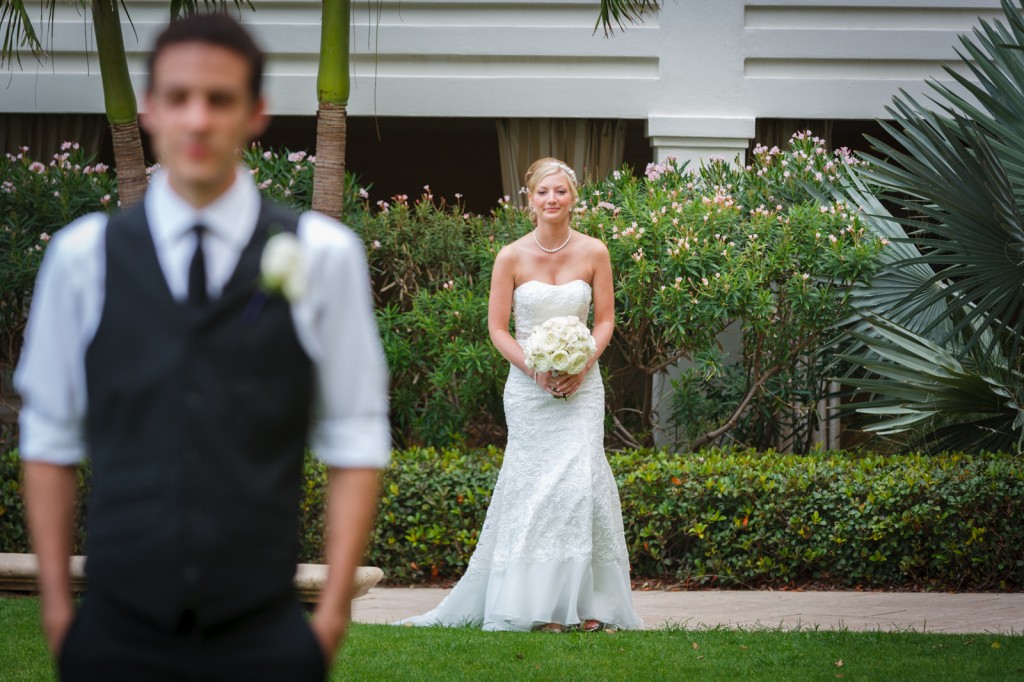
593, 148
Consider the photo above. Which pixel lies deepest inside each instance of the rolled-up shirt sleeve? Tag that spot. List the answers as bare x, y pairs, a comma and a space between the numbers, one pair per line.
64, 313
337, 326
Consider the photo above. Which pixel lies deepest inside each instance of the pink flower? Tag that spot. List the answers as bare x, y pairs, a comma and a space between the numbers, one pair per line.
36, 167
295, 157
44, 237
268, 155
363, 194
102, 168
376, 244
105, 199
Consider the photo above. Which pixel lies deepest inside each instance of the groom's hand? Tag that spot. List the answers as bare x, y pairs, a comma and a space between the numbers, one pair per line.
57, 616
329, 627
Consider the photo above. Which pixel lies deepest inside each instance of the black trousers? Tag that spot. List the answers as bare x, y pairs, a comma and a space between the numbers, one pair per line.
107, 643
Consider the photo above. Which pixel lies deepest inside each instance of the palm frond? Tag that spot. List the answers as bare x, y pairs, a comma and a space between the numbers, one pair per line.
18, 32
919, 386
621, 12
186, 8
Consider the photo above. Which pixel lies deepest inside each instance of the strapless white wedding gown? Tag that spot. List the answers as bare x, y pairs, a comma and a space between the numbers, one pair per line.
552, 548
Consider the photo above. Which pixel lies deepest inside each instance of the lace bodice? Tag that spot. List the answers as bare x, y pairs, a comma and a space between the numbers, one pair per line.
535, 302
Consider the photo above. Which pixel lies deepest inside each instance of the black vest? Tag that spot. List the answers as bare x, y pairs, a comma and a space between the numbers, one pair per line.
196, 426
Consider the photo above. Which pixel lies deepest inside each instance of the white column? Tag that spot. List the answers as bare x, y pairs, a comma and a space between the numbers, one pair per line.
696, 139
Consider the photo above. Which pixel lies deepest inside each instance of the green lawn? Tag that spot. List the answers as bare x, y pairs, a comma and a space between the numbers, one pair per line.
380, 652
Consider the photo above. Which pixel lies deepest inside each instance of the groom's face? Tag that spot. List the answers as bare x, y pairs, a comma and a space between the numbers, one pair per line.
200, 112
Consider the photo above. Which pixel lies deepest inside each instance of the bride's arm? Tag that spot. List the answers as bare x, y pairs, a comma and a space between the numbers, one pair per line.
604, 301
499, 310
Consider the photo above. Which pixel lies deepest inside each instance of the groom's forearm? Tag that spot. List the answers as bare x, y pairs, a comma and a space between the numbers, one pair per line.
351, 507
50, 508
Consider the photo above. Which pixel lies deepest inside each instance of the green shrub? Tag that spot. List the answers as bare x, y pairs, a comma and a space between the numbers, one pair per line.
734, 518
36, 200
432, 507
743, 518
13, 528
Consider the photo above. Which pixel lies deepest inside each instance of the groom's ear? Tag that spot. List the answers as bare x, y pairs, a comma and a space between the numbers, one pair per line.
259, 119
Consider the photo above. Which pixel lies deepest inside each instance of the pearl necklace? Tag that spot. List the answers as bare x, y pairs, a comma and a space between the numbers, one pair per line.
557, 248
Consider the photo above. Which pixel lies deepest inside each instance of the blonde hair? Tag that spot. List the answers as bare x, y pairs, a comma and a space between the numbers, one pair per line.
542, 168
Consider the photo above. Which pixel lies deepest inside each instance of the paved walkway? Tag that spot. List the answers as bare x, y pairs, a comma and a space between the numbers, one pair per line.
923, 612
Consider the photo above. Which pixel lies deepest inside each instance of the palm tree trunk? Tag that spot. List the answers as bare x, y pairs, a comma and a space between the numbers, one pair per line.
329, 174
332, 86
119, 102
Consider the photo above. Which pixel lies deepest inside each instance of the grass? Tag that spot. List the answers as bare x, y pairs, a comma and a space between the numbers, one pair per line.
381, 652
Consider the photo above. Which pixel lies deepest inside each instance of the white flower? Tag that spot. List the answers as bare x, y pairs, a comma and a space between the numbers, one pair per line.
577, 361
560, 360
283, 267
547, 341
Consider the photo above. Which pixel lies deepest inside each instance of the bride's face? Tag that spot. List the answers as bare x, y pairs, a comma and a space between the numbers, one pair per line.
552, 199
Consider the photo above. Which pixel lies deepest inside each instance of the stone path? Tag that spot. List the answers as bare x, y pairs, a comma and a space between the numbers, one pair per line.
924, 612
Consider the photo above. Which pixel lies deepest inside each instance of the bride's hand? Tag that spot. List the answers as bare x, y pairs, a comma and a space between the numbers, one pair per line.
565, 385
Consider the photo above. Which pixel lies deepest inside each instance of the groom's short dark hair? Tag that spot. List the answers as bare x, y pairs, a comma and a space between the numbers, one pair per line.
212, 29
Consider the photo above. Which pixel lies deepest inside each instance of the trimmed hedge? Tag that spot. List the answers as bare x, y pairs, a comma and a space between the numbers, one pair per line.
735, 518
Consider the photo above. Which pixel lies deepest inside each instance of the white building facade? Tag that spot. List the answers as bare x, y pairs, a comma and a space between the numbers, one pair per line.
694, 80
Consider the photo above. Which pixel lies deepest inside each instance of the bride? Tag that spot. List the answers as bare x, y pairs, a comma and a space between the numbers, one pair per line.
551, 553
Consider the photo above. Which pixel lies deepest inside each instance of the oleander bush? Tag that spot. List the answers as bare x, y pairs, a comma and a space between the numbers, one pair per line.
730, 518
752, 246
691, 255
37, 198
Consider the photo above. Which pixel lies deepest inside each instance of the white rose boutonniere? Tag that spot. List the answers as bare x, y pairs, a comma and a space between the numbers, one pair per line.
283, 267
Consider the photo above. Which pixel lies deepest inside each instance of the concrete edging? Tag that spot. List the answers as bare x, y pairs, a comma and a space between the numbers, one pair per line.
18, 573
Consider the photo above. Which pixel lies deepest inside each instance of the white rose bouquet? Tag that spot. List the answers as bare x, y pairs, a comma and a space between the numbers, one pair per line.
561, 344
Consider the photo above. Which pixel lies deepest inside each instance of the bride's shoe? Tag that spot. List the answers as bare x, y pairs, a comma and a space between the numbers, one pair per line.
590, 625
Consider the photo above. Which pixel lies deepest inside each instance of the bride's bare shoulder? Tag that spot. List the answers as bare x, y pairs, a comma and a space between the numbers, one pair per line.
512, 251
593, 246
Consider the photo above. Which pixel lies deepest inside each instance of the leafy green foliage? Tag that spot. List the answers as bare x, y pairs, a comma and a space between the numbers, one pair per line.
730, 518
432, 508
431, 266
13, 528
287, 178
754, 246
743, 519
692, 254
36, 200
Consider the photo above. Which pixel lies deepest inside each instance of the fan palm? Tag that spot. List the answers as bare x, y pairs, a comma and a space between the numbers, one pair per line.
942, 344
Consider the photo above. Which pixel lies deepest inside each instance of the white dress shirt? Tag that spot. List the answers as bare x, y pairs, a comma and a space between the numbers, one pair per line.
333, 319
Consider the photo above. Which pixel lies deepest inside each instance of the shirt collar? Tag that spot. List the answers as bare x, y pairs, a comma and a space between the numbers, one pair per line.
231, 217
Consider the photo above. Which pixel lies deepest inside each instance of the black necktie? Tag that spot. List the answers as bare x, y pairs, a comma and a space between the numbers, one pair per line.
197, 272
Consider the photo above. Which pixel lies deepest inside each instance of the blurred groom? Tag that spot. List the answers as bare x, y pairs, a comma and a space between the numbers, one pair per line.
190, 347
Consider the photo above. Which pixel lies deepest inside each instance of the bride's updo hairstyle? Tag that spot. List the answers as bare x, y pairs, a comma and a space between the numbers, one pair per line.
542, 168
